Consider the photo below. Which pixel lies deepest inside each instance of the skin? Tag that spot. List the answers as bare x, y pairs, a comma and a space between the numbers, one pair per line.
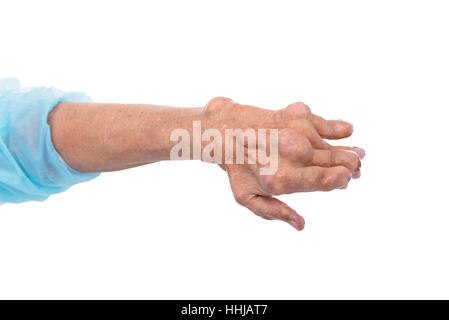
100, 137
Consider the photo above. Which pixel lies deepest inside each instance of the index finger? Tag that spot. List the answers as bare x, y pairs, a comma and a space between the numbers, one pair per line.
331, 129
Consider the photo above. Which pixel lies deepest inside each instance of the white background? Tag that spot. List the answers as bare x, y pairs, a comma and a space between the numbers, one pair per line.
173, 230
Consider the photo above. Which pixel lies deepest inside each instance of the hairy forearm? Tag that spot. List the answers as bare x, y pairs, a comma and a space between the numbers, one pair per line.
98, 137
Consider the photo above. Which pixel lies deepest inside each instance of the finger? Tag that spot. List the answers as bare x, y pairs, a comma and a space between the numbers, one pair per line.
271, 208
359, 151
334, 158
294, 146
315, 139
301, 113
331, 129
324, 179
307, 179
307, 129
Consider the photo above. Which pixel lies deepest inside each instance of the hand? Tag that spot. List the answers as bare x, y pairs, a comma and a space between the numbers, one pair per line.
306, 162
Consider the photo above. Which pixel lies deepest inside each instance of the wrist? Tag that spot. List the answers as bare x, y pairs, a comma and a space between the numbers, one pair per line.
195, 128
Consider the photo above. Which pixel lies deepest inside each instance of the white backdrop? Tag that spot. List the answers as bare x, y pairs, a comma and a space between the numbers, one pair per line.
173, 230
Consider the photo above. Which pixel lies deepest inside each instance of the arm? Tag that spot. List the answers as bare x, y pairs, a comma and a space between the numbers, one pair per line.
104, 137
99, 137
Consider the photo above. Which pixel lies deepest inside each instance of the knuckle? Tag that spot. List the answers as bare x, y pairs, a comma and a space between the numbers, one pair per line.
287, 136
218, 103
306, 109
349, 159
298, 109
313, 177
344, 176
328, 181
355, 162
305, 150
295, 146
338, 178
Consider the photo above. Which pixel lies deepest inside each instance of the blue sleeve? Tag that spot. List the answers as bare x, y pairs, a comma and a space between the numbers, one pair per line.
30, 167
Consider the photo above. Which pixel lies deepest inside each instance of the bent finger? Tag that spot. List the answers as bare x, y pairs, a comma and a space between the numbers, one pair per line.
359, 151
331, 129
271, 208
333, 158
313, 179
307, 179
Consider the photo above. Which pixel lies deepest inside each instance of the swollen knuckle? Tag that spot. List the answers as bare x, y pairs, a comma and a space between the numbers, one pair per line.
294, 145
313, 177
344, 176
297, 110
218, 103
329, 179
287, 136
355, 161
305, 109
348, 159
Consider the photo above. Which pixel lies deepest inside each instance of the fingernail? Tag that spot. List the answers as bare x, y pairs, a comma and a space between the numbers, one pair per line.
360, 152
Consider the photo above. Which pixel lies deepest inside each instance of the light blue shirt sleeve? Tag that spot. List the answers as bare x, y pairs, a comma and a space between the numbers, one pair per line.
30, 167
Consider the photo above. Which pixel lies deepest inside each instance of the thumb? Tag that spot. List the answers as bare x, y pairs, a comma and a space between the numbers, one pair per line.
271, 208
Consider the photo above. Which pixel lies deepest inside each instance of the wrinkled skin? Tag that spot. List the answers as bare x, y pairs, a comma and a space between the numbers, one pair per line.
306, 161
99, 137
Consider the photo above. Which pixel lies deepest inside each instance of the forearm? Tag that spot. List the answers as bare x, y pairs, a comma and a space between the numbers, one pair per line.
98, 137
